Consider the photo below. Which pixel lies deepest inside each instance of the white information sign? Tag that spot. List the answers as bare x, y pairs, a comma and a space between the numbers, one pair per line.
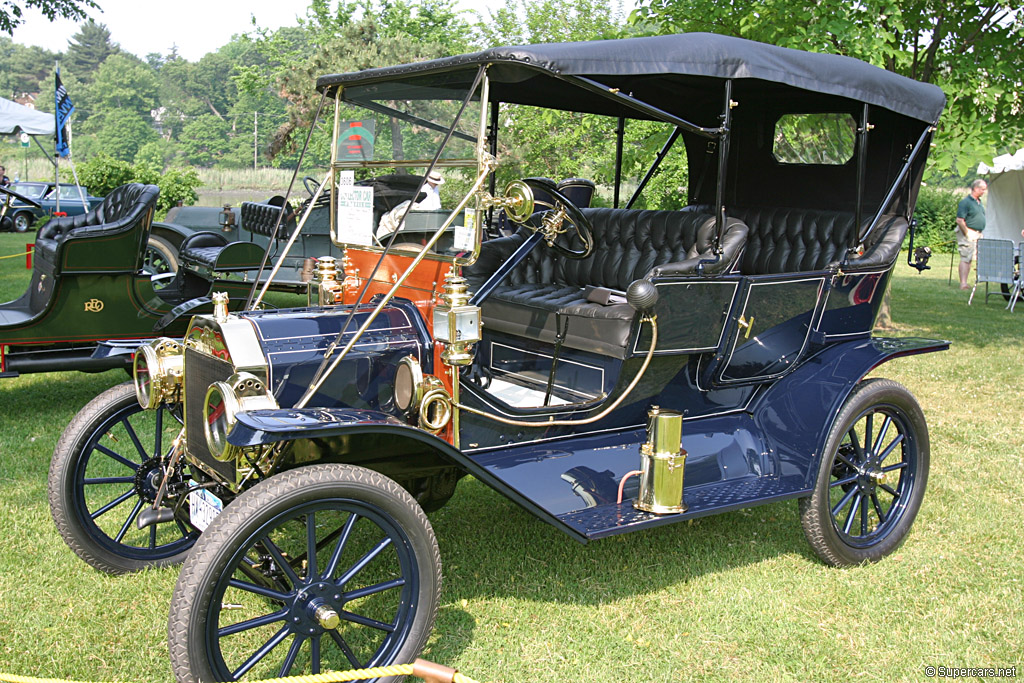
346, 178
355, 214
203, 506
465, 235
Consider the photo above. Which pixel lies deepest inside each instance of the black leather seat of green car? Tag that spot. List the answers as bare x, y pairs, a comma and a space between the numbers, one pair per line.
205, 249
547, 289
128, 208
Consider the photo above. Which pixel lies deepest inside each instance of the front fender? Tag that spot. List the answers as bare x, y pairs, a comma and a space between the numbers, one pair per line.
796, 413
259, 427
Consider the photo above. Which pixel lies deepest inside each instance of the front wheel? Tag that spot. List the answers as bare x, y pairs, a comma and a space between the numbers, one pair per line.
106, 468
872, 476
323, 567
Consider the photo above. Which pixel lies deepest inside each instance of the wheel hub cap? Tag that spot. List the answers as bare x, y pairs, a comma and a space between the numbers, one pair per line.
327, 617
316, 608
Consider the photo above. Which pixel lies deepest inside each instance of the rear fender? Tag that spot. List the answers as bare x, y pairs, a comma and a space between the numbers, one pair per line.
171, 233
796, 413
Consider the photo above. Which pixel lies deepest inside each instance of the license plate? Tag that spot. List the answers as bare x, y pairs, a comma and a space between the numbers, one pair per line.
203, 506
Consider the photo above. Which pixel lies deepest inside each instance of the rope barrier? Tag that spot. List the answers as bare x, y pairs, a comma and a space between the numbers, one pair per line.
18, 255
331, 677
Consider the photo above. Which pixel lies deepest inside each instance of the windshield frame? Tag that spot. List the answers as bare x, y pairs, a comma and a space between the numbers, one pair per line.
471, 204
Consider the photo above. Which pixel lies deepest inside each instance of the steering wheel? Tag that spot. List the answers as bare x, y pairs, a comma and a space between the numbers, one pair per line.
553, 222
312, 184
21, 197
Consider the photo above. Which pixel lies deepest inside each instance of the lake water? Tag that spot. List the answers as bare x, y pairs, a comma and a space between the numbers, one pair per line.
212, 197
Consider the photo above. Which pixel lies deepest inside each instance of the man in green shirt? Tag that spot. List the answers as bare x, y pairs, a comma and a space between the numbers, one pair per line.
970, 222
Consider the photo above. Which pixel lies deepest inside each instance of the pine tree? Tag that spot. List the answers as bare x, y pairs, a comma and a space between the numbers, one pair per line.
87, 49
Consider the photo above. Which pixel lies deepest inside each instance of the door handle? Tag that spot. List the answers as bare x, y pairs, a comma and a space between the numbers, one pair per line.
746, 325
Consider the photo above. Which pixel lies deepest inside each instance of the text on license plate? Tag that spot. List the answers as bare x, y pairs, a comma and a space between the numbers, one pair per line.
203, 506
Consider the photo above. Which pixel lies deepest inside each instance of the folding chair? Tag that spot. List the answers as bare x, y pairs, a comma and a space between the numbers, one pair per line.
995, 264
1016, 291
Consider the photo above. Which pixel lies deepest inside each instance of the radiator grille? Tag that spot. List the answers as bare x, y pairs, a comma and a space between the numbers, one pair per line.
201, 371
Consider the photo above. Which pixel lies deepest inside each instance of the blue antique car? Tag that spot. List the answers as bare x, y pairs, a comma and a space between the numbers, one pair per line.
45, 197
609, 369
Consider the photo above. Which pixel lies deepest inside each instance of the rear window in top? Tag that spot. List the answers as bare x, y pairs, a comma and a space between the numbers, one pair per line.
815, 139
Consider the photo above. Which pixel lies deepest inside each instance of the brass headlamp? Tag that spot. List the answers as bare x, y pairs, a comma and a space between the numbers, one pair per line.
224, 400
156, 372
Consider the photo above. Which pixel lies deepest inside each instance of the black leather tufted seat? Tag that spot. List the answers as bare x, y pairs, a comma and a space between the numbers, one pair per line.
212, 251
261, 217
109, 238
547, 289
790, 240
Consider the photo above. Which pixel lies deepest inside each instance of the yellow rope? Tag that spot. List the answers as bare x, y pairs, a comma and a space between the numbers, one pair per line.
332, 677
17, 255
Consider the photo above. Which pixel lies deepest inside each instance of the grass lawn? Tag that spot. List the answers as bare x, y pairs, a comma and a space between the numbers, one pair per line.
733, 597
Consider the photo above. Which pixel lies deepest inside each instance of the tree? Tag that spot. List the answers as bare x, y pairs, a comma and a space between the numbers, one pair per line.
972, 50
349, 37
23, 69
124, 82
88, 49
549, 21
120, 133
205, 139
11, 11
548, 143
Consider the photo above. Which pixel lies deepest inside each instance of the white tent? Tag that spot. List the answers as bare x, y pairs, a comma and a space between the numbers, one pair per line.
15, 117
1004, 213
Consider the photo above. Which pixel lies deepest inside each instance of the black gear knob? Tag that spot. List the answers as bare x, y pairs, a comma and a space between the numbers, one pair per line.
642, 295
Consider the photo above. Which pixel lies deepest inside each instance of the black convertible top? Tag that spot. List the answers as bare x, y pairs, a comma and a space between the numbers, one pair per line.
655, 66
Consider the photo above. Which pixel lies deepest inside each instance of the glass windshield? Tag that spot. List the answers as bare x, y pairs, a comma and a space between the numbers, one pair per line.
31, 190
386, 135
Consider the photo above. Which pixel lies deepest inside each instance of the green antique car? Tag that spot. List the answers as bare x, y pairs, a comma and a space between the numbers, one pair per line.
107, 274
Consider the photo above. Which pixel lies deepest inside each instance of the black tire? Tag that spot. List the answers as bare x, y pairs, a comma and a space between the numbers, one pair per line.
387, 604
858, 513
161, 259
104, 471
23, 221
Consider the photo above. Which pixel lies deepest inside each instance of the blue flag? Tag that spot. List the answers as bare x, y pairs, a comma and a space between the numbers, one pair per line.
63, 112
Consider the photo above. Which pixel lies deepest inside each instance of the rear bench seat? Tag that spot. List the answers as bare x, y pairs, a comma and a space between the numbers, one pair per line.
789, 240
211, 251
546, 289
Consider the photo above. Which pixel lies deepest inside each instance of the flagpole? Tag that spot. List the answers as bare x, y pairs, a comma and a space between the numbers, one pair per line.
74, 174
56, 136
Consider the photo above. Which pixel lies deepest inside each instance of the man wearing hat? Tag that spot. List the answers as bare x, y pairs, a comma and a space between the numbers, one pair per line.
432, 201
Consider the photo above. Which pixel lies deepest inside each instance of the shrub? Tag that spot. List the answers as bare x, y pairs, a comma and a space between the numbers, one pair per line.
178, 185
101, 174
936, 218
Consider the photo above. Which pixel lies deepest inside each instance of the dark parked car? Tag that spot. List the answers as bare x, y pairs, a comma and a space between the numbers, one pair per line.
24, 215
608, 369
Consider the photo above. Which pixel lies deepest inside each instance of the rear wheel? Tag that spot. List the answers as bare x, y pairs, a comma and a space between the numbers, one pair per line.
871, 478
22, 222
106, 469
326, 567
160, 261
